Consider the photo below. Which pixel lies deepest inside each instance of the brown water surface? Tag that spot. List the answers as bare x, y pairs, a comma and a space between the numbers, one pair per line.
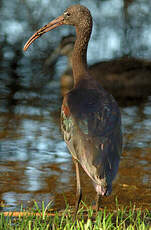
35, 163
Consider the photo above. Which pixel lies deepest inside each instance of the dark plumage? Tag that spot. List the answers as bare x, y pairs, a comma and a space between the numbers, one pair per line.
90, 117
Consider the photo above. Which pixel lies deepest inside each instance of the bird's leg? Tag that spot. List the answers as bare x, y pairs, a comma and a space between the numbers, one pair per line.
79, 190
98, 201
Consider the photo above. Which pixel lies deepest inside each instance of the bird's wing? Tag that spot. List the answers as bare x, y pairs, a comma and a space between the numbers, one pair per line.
96, 131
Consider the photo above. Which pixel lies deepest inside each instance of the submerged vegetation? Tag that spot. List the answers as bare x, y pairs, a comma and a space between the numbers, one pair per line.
43, 219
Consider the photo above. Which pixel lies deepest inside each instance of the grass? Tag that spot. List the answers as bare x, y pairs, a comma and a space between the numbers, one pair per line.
43, 219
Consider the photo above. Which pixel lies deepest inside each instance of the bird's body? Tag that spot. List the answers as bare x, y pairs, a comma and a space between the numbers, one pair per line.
90, 121
90, 117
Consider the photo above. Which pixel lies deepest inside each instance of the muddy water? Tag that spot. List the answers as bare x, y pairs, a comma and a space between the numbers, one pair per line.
35, 163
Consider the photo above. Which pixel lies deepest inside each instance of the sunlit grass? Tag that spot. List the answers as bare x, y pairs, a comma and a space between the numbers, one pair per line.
45, 218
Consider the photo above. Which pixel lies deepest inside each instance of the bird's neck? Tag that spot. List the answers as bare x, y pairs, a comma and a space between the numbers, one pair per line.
79, 56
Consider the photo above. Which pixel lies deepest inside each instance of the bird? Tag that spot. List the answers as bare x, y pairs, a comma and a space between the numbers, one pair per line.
126, 78
90, 116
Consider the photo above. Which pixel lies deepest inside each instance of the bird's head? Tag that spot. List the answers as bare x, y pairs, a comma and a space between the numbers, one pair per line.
76, 15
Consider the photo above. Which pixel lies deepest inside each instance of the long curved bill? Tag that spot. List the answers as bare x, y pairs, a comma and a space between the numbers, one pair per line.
51, 25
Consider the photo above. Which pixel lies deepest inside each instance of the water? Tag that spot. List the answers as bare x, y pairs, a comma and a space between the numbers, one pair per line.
35, 163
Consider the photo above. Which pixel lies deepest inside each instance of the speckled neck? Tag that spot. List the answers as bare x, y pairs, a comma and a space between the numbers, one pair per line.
79, 57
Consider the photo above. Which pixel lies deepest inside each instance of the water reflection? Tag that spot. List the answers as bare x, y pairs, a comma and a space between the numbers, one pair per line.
31, 146
35, 163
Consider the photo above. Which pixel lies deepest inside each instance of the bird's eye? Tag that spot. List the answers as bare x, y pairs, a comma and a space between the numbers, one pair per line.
67, 14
